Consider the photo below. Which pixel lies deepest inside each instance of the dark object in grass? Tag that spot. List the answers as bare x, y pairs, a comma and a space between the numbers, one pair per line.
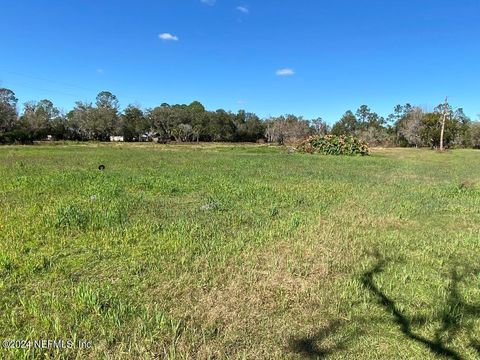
101, 167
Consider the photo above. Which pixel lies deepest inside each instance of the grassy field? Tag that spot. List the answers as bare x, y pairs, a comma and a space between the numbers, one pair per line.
239, 252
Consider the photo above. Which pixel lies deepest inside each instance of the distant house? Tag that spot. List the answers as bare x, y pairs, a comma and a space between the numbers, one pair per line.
116, 138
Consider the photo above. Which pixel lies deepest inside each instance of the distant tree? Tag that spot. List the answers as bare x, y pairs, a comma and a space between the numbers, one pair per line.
248, 127
163, 121
106, 100
463, 137
406, 126
347, 125
362, 115
200, 126
375, 136
198, 119
240, 120
184, 132
59, 128
399, 113
288, 128
475, 134
105, 116
40, 118
133, 123
182, 119
319, 126
270, 130
432, 129
446, 112
365, 124
221, 126
398, 127
8, 110
414, 127
254, 127
367, 119
87, 122
409, 126
196, 107
81, 122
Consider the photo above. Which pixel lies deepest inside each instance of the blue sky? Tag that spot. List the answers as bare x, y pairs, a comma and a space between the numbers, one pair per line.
310, 58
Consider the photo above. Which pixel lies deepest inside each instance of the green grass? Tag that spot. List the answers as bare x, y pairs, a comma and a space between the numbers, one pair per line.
240, 252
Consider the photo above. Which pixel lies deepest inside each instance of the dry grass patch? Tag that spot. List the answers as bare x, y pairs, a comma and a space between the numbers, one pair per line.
263, 299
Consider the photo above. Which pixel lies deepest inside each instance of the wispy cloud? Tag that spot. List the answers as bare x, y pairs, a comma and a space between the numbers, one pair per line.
209, 2
285, 72
168, 37
100, 71
243, 9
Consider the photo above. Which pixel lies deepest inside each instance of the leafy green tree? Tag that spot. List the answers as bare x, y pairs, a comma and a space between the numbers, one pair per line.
40, 117
365, 124
475, 134
347, 125
200, 126
221, 126
195, 108
363, 113
81, 122
367, 119
105, 116
432, 128
248, 127
106, 100
8, 110
198, 119
95, 123
59, 128
407, 125
133, 123
162, 121
464, 137
400, 125
400, 112
254, 128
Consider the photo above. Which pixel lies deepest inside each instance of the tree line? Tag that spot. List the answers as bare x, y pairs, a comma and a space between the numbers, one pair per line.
407, 126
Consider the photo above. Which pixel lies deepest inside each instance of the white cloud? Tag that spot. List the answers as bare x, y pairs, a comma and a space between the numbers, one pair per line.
285, 72
209, 2
100, 71
168, 37
243, 9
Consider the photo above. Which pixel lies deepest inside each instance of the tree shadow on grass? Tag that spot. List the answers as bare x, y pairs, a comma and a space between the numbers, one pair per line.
455, 310
308, 346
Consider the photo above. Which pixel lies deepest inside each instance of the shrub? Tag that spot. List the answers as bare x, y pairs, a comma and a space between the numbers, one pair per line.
334, 145
16, 137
